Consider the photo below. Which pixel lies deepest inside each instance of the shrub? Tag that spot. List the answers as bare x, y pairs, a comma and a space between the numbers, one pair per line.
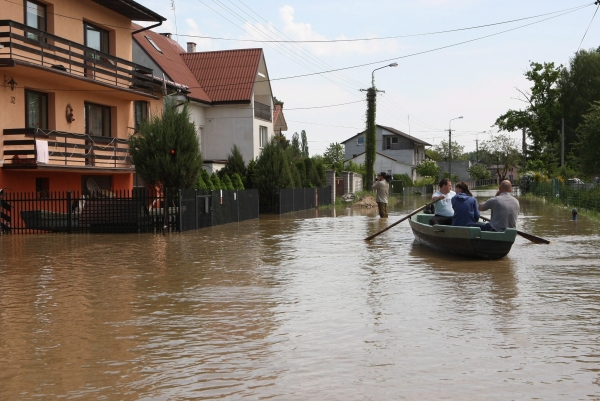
216, 181
237, 181
206, 178
200, 184
226, 182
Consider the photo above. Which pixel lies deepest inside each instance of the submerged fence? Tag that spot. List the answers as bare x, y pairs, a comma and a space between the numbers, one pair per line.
296, 199
133, 211
585, 197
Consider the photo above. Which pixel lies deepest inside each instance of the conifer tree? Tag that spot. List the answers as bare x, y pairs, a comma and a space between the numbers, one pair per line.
216, 181
237, 181
226, 182
272, 172
206, 178
200, 184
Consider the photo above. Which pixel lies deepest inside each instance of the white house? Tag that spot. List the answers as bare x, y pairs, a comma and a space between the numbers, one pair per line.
229, 94
396, 152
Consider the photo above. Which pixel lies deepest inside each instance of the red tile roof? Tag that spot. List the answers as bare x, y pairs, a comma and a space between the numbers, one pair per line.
226, 76
171, 62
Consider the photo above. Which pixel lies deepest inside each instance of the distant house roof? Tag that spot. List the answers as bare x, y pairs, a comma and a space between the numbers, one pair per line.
132, 10
279, 119
227, 76
393, 131
169, 59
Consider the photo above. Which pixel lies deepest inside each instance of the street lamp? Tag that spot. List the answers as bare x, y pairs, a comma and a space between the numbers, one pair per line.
450, 145
373, 73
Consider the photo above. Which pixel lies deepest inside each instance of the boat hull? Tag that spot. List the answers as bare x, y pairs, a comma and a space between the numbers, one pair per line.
463, 241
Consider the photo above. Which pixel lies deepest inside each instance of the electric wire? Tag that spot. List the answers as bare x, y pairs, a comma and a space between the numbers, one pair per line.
588, 28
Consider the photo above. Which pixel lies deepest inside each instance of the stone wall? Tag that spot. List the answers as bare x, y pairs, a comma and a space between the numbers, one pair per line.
459, 168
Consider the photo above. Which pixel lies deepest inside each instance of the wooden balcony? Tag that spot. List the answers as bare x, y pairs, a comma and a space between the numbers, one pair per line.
22, 45
24, 148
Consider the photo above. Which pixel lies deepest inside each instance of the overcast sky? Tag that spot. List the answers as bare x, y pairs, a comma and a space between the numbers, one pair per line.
476, 79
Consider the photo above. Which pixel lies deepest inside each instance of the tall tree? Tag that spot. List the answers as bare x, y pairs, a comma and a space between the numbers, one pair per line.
333, 158
234, 164
442, 151
304, 144
502, 152
588, 134
541, 116
579, 86
295, 151
370, 137
272, 172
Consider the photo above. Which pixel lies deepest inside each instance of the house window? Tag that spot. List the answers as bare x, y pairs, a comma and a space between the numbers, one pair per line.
42, 187
360, 141
95, 38
153, 44
97, 119
140, 111
392, 142
36, 109
264, 136
35, 17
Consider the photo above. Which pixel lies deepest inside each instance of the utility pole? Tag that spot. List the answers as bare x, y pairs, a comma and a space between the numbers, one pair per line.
562, 143
450, 146
476, 151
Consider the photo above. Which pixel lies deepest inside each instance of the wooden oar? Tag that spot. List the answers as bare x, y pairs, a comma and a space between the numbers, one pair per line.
399, 221
530, 237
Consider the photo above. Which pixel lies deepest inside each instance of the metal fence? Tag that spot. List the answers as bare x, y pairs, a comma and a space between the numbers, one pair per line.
585, 197
296, 199
133, 211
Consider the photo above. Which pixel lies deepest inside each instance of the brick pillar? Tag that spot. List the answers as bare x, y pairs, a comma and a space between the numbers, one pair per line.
347, 185
330, 180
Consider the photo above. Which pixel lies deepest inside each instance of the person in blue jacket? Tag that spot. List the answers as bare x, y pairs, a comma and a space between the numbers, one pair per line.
466, 209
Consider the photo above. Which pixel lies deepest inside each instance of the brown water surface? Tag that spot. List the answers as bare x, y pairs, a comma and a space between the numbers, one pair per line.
299, 307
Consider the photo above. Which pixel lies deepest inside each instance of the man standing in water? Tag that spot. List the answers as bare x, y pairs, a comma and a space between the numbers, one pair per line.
504, 207
382, 188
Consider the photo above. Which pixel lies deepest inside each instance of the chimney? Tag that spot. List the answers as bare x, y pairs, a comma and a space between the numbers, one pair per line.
166, 35
191, 47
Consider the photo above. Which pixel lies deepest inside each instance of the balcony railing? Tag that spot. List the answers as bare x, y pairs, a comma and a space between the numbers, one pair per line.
27, 148
263, 111
20, 43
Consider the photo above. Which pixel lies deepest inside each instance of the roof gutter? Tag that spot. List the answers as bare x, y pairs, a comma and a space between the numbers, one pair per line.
146, 28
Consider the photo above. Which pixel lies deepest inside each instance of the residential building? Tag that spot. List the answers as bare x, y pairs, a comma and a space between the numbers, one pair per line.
230, 96
71, 95
396, 152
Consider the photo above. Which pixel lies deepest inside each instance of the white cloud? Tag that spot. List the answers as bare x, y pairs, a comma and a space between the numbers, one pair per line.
194, 30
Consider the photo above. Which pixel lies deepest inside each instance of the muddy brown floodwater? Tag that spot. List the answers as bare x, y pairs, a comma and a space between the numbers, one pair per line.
299, 307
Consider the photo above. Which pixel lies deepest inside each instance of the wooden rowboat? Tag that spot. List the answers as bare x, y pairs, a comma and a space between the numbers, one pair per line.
464, 241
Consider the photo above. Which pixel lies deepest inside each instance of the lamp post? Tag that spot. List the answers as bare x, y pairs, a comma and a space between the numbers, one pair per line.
450, 145
370, 134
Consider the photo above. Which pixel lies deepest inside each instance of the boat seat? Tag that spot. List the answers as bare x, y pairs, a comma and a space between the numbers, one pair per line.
508, 235
424, 218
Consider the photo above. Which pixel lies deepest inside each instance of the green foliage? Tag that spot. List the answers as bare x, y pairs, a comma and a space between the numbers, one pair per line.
216, 182
356, 168
304, 144
406, 180
588, 134
333, 158
277, 101
425, 181
235, 164
294, 148
442, 151
541, 117
165, 151
503, 152
272, 172
434, 155
206, 178
454, 177
479, 172
226, 182
251, 172
316, 172
428, 168
237, 181
200, 184
370, 138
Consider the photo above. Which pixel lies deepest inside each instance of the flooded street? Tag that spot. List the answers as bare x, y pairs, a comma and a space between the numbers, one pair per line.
299, 307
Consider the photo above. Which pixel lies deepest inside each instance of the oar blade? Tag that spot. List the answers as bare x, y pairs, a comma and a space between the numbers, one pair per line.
533, 238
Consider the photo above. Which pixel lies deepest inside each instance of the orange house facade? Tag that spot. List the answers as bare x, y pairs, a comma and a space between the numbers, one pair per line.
70, 95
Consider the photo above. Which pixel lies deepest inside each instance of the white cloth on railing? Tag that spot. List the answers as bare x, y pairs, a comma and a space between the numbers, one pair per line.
42, 151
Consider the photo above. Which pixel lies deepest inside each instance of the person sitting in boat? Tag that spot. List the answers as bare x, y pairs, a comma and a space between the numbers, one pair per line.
504, 207
443, 208
466, 209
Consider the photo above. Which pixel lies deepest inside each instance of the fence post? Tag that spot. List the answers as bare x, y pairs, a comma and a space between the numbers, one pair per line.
196, 208
179, 211
70, 219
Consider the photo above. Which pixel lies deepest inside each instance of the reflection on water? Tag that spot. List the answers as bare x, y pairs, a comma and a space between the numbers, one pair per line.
299, 307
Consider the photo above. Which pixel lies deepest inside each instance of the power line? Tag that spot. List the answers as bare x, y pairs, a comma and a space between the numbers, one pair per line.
588, 28
388, 37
